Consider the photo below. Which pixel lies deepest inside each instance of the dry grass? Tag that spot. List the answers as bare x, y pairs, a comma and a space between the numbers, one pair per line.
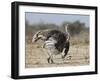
37, 57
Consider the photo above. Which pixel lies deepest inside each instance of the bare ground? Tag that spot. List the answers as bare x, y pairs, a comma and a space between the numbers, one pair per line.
37, 56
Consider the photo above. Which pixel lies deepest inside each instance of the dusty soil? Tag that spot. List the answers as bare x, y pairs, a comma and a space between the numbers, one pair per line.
36, 56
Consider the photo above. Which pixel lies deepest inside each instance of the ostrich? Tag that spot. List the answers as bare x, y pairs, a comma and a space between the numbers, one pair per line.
55, 42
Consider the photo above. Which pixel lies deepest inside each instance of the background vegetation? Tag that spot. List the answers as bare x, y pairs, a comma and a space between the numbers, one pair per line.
79, 33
